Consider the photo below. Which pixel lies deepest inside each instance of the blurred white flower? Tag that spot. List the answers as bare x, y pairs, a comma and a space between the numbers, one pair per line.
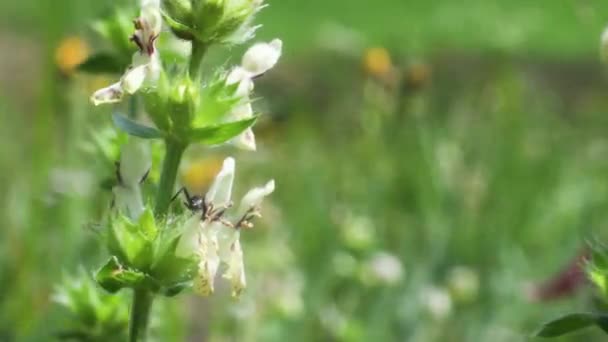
604, 46
71, 181
437, 302
145, 64
463, 283
216, 240
256, 61
333, 320
384, 268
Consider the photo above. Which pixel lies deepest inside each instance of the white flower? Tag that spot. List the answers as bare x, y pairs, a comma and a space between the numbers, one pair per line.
385, 268
258, 59
220, 190
145, 65
255, 196
135, 162
437, 302
261, 57
236, 269
128, 200
214, 240
110, 94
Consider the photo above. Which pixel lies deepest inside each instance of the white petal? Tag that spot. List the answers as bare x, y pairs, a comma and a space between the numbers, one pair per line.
221, 189
128, 200
241, 112
261, 57
111, 94
236, 269
243, 78
226, 238
245, 140
189, 242
236, 75
208, 263
153, 70
255, 196
134, 78
135, 161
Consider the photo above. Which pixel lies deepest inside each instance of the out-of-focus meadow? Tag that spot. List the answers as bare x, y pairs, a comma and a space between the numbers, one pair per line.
435, 162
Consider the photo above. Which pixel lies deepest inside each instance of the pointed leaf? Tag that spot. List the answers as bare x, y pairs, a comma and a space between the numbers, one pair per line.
217, 134
572, 322
180, 30
134, 128
113, 276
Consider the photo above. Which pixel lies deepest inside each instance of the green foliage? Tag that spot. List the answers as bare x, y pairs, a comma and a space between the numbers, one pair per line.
95, 316
217, 134
571, 323
143, 257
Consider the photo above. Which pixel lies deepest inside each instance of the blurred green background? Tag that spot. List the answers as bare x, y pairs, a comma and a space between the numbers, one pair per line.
435, 161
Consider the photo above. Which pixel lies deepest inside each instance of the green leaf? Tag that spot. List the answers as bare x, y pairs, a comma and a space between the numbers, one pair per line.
130, 243
147, 225
103, 63
180, 30
572, 322
134, 128
217, 134
113, 276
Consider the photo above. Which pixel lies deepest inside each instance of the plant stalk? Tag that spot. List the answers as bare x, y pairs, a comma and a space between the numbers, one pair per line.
173, 156
140, 314
196, 59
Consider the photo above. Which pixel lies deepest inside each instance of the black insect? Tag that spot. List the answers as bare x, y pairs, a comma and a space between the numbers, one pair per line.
194, 203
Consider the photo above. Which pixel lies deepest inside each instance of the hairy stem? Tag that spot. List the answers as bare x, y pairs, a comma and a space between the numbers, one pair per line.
173, 156
140, 314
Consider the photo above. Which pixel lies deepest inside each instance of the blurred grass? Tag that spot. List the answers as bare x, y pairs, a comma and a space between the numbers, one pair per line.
498, 164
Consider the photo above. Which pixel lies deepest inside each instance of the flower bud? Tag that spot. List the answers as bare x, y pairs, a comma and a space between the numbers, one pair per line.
183, 101
179, 10
220, 21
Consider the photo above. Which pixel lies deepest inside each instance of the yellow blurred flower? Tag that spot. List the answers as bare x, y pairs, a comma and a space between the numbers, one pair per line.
198, 175
70, 53
377, 62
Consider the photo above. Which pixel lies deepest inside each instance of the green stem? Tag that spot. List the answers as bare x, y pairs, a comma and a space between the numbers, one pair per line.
140, 313
173, 156
198, 52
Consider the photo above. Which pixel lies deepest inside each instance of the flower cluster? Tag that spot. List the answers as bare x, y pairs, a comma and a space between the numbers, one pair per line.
145, 65
212, 236
260, 58
156, 247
